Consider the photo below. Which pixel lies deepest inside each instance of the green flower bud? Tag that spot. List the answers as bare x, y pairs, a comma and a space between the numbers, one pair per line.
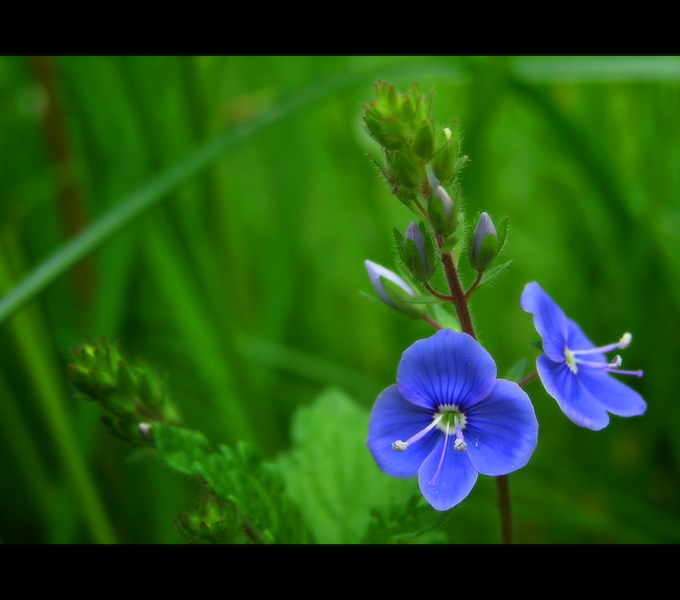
405, 169
393, 290
484, 243
423, 143
129, 393
416, 251
446, 156
442, 211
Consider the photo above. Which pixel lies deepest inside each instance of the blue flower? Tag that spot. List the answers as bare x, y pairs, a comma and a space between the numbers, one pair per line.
448, 418
576, 373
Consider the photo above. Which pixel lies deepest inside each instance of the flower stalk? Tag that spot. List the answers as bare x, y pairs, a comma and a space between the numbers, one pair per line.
422, 165
459, 299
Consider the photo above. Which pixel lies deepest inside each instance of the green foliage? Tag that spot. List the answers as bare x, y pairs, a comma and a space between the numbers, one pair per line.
254, 506
133, 395
342, 494
217, 222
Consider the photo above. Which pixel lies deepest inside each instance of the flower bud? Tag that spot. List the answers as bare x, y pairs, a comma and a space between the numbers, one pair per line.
405, 168
484, 243
442, 212
393, 290
444, 159
416, 252
423, 143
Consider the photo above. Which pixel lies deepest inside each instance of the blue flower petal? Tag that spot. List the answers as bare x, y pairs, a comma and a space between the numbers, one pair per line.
613, 395
549, 320
448, 368
577, 340
501, 431
392, 419
455, 479
576, 402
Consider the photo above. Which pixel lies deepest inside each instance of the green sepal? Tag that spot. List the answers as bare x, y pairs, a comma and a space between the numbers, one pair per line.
429, 249
437, 215
537, 344
423, 143
404, 168
486, 253
412, 260
445, 159
399, 298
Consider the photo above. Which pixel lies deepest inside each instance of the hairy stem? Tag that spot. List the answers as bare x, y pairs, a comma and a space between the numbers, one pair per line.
459, 299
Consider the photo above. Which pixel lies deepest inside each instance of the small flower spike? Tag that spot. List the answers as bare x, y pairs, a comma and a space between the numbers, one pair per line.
448, 419
576, 373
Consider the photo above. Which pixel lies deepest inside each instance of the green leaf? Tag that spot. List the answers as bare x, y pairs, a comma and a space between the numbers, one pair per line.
425, 299
241, 478
491, 274
517, 372
333, 477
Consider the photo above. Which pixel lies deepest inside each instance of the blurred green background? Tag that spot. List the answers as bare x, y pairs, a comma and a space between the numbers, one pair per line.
228, 205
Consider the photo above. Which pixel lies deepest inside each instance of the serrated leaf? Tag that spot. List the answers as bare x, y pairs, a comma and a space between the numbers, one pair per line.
240, 477
331, 474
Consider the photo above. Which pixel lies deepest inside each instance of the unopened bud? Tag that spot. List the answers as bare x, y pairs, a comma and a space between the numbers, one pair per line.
423, 143
416, 252
484, 243
405, 168
393, 290
442, 212
445, 157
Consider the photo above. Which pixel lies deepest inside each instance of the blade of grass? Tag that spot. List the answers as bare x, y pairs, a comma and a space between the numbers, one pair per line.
48, 387
156, 190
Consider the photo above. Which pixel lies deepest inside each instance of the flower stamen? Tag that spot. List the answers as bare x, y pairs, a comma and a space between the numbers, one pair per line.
400, 446
441, 458
624, 342
573, 360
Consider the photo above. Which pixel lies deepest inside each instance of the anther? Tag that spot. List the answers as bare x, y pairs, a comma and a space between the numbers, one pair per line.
616, 363
400, 446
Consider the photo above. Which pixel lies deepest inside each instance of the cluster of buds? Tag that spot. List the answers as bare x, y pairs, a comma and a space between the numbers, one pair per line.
414, 151
213, 521
133, 396
422, 164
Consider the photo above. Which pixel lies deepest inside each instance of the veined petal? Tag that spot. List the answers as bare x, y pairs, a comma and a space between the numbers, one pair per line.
576, 402
454, 479
577, 340
613, 395
501, 431
448, 368
549, 320
392, 419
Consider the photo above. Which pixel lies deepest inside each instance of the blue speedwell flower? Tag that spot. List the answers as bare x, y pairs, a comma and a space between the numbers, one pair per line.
576, 373
448, 418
